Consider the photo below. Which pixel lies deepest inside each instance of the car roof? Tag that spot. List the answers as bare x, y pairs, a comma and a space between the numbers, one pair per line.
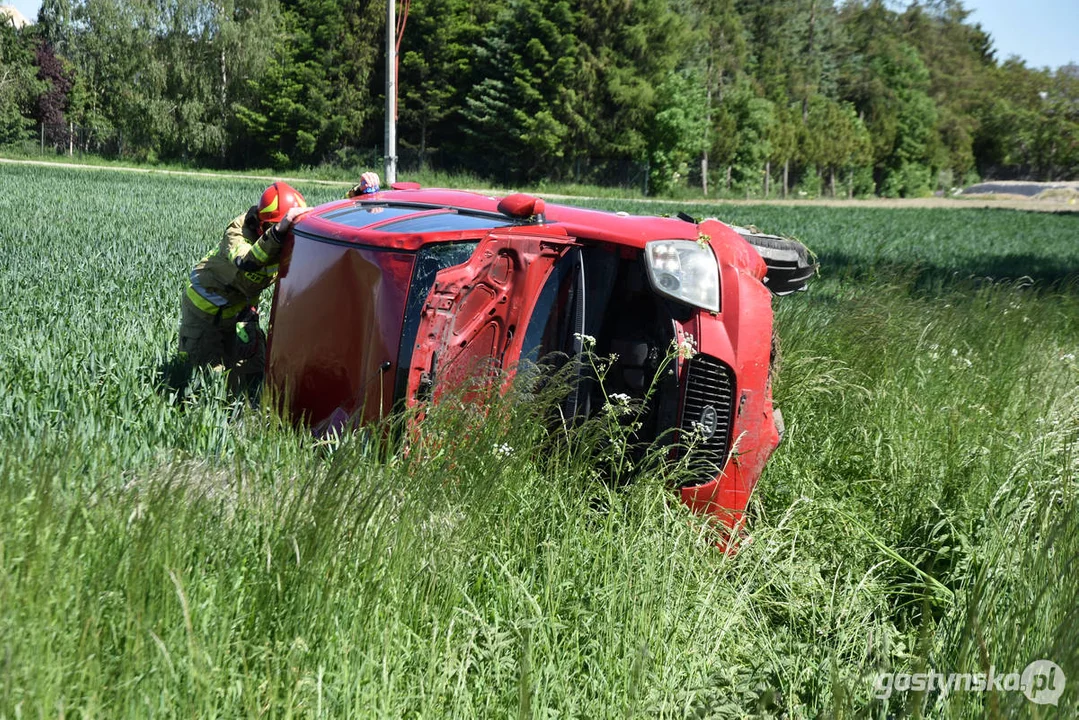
407, 219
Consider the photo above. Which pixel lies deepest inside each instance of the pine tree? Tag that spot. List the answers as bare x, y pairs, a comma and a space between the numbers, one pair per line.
519, 115
626, 51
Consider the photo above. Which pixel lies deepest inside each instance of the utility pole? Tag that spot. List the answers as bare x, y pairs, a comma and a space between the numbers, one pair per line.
391, 92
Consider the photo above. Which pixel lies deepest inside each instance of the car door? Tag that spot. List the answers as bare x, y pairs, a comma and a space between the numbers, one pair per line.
472, 325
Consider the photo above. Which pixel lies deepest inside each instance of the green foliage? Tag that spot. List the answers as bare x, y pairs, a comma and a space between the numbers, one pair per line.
1036, 125
810, 184
185, 554
755, 118
19, 84
627, 50
312, 97
520, 107
533, 90
679, 132
436, 53
907, 180
835, 139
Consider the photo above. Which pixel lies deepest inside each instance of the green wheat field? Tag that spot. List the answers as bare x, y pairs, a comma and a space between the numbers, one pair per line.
184, 553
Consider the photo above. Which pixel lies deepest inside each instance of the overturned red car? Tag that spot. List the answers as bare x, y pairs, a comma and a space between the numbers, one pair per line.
387, 297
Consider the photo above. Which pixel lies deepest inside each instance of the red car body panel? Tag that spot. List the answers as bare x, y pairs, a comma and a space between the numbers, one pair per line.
336, 321
340, 306
472, 314
741, 336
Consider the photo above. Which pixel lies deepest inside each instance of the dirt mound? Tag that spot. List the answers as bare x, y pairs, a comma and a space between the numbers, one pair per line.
1021, 188
1069, 195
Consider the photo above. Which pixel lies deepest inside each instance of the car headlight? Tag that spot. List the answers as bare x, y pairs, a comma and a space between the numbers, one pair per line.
684, 270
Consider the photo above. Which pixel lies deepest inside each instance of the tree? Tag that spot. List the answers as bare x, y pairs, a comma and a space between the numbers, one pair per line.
625, 51
436, 65
754, 118
959, 58
680, 129
52, 99
870, 93
1055, 146
112, 45
725, 140
827, 135
718, 55
238, 50
520, 114
54, 23
313, 96
19, 84
783, 145
900, 116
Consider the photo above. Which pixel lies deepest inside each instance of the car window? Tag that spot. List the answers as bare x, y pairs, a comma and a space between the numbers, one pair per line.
362, 215
559, 312
445, 222
430, 260
555, 333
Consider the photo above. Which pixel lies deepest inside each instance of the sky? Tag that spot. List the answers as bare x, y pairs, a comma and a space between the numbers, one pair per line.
1041, 32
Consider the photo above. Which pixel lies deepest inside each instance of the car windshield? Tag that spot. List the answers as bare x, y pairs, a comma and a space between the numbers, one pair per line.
430, 260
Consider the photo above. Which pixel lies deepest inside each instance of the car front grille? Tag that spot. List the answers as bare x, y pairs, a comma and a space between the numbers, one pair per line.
707, 416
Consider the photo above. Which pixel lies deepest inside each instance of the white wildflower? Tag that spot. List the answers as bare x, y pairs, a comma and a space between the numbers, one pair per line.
587, 341
618, 404
686, 348
503, 449
960, 362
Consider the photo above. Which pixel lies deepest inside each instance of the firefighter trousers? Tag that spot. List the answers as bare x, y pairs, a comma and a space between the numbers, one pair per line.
208, 341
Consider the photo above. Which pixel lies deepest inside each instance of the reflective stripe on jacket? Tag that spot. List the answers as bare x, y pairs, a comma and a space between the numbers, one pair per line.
218, 285
226, 312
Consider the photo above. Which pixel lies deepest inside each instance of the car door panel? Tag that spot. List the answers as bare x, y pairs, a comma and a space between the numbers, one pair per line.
471, 328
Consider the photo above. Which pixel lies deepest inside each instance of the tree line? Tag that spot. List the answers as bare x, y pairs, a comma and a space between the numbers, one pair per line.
748, 96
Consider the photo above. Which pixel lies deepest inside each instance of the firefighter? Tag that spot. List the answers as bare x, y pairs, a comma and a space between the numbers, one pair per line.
219, 324
219, 310
368, 184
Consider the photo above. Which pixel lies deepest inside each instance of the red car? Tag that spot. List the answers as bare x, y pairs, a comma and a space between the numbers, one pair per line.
385, 298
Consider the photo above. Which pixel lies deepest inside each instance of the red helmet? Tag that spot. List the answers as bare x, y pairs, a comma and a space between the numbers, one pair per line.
278, 199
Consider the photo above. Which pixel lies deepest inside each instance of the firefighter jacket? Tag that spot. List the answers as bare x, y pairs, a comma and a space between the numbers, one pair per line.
231, 277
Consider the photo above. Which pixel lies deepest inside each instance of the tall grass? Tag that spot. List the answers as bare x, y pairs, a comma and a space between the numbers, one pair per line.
186, 554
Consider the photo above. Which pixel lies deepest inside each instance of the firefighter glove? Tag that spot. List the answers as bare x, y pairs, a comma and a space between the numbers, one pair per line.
285, 224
